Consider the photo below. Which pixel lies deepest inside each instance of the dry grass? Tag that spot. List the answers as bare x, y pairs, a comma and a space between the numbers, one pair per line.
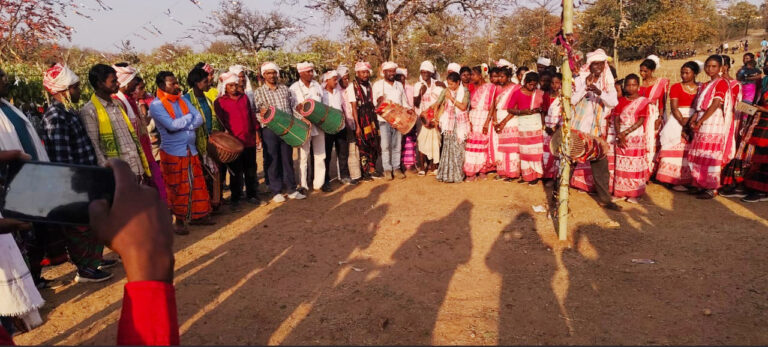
670, 69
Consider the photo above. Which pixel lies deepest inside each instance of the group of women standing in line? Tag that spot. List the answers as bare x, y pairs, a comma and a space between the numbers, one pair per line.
500, 126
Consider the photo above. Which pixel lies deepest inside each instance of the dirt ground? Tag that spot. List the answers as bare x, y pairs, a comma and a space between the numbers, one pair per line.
419, 262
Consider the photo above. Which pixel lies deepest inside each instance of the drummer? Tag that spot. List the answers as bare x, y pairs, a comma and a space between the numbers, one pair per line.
332, 96
280, 164
389, 90
304, 89
235, 112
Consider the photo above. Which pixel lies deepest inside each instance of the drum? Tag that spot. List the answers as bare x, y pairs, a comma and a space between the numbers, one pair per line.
583, 147
327, 118
400, 118
224, 147
292, 130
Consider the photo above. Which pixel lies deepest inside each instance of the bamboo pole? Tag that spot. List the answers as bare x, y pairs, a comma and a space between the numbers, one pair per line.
391, 40
565, 164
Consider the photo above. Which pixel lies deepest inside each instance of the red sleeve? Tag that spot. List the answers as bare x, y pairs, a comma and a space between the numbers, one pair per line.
514, 100
643, 90
148, 316
721, 89
616, 111
547, 102
5, 339
675, 92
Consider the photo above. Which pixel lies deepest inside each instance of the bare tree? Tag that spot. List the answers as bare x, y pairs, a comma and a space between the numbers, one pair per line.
384, 21
25, 25
128, 52
619, 28
250, 29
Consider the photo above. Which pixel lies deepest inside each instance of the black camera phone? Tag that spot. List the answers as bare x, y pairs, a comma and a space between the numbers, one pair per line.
53, 193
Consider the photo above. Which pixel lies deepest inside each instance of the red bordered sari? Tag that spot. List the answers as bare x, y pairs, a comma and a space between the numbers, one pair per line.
630, 165
479, 156
707, 152
507, 142
656, 94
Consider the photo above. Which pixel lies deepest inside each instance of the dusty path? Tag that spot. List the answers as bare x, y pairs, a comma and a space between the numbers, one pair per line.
418, 262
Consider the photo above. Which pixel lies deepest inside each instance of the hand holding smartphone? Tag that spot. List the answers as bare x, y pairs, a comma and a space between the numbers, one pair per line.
53, 193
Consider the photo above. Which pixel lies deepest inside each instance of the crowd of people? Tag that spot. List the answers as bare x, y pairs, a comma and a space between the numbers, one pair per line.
476, 123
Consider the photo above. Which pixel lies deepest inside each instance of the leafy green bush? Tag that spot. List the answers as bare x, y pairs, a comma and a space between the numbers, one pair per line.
26, 79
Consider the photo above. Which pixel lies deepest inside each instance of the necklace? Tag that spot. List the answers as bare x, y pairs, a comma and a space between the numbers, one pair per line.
689, 90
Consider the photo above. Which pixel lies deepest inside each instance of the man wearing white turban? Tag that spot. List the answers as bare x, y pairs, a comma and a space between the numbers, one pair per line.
428, 90
359, 95
389, 90
594, 94
126, 78
453, 67
128, 81
66, 141
333, 97
353, 160
543, 64
278, 155
245, 82
303, 89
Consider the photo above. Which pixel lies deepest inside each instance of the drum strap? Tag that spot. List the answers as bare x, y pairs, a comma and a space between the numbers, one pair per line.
288, 128
325, 116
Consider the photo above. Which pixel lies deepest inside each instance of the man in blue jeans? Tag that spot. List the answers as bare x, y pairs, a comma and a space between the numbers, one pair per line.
387, 89
279, 167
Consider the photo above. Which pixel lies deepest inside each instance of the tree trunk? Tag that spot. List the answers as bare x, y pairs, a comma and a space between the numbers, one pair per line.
616, 51
746, 28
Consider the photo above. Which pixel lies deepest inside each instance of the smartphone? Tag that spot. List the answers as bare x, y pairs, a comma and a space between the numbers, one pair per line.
53, 193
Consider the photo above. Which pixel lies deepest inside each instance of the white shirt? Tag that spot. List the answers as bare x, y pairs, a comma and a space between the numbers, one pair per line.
607, 100
608, 95
301, 93
393, 92
429, 97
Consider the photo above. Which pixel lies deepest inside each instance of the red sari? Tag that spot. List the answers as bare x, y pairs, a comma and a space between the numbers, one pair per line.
479, 156
673, 167
657, 96
531, 135
507, 153
707, 152
630, 166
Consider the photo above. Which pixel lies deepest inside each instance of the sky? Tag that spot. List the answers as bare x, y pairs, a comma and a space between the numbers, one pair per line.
128, 19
